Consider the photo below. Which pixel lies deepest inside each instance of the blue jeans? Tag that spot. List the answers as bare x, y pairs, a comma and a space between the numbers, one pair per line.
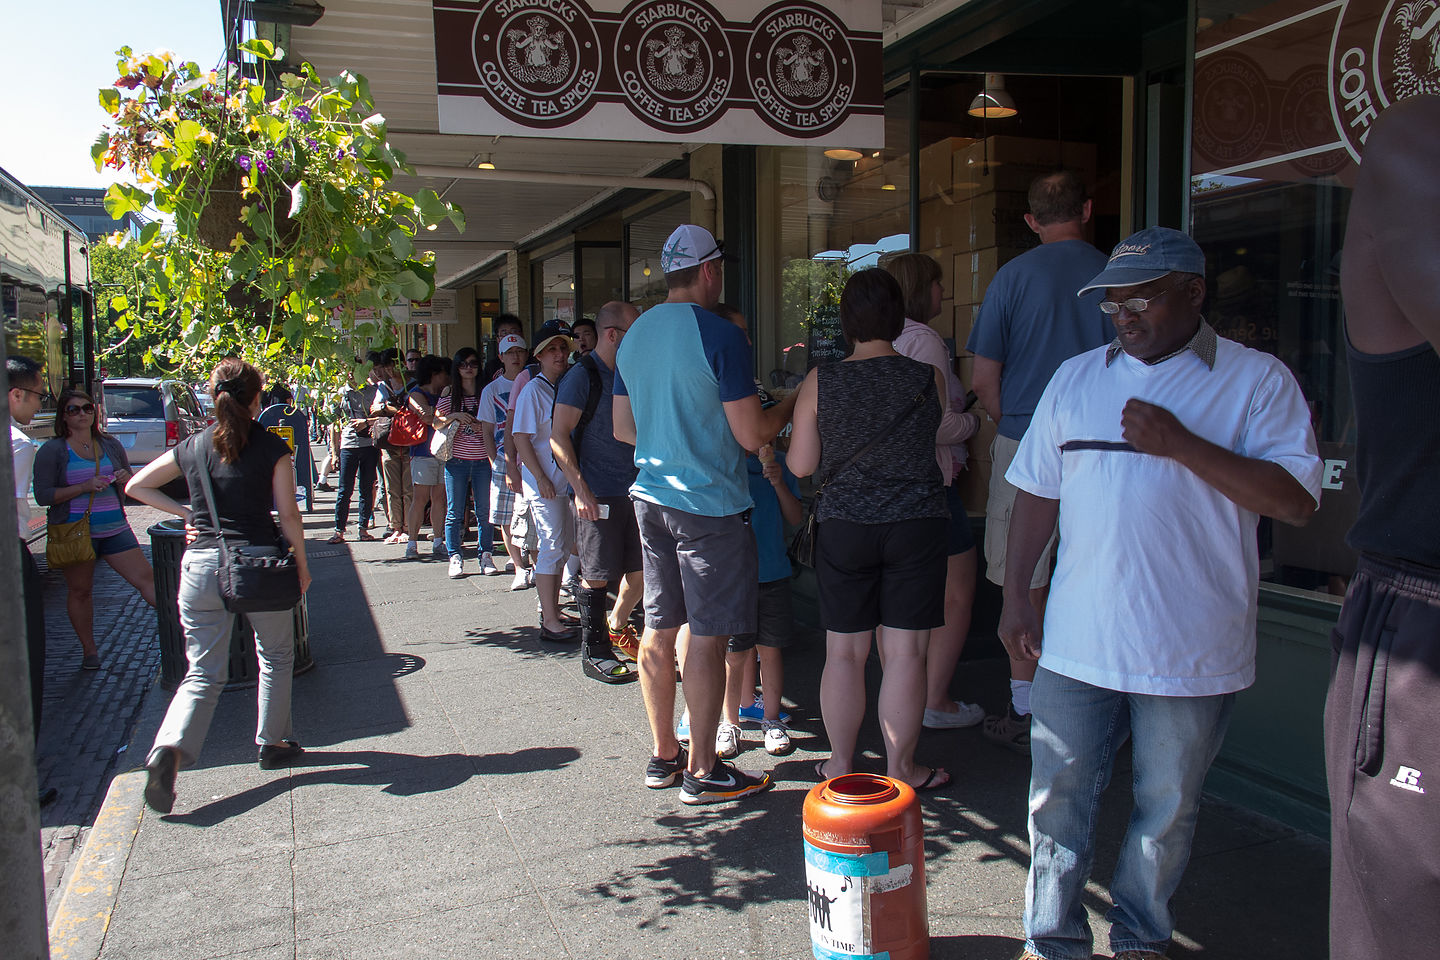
365, 461
463, 478
1076, 731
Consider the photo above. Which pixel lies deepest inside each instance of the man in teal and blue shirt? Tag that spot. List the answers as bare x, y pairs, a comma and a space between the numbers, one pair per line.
685, 397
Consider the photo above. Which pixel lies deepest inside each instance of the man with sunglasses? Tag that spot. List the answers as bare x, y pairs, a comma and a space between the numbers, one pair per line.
26, 393
1158, 453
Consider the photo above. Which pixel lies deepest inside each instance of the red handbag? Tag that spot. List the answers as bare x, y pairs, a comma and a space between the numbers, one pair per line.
407, 429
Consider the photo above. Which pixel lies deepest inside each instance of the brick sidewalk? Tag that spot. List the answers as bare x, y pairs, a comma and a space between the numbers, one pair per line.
89, 716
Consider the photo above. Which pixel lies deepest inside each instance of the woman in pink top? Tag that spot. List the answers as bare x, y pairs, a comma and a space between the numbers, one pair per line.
919, 279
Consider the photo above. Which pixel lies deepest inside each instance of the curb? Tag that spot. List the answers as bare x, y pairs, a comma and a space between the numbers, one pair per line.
92, 883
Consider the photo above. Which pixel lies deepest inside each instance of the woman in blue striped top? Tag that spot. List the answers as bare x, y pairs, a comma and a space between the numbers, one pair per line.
85, 469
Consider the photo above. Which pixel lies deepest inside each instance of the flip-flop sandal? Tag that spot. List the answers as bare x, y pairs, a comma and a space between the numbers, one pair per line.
928, 785
820, 771
608, 670
337, 538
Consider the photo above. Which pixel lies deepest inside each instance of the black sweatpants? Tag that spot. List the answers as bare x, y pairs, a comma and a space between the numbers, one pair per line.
34, 630
1382, 756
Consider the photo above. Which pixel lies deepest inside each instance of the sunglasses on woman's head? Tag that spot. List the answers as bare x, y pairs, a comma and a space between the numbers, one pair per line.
73, 409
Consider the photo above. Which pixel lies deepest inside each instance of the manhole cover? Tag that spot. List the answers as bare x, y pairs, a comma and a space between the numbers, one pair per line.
322, 554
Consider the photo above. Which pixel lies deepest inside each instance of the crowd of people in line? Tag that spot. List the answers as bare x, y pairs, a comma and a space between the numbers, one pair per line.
632, 460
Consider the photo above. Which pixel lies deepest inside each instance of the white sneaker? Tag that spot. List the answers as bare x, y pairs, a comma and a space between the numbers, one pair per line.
412, 550
487, 565
727, 740
777, 737
530, 576
457, 566
520, 582
965, 715
437, 547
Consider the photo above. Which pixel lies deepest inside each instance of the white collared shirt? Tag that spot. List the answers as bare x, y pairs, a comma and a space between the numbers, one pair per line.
22, 452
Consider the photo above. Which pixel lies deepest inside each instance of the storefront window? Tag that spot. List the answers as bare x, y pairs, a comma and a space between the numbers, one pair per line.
554, 280
1269, 198
645, 235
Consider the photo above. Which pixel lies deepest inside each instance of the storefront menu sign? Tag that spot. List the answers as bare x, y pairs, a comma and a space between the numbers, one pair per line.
1277, 97
662, 70
438, 309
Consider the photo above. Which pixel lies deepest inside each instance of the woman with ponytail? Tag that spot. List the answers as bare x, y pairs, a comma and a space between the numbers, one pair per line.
250, 471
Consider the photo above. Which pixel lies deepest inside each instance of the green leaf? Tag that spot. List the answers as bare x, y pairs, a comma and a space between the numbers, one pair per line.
273, 127
260, 49
334, 199
109, 99
122, 198
400, 244
98, 148
380, 168
120, 302
413, 287
149, 232
374, 125
323, 286
186, 131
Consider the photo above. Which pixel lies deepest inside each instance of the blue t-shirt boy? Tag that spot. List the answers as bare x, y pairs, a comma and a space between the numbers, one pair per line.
766, 520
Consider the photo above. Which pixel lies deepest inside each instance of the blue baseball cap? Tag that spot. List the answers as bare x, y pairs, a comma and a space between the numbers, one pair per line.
1148, 255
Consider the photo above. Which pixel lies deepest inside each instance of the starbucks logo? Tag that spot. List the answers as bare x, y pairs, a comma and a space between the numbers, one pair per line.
674, 63
1232, 109
538, 60
1380, 53
801, 68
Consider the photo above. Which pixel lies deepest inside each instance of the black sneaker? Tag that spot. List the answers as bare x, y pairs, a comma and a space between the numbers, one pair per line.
723, 783
663, 773
160, 780
275, 755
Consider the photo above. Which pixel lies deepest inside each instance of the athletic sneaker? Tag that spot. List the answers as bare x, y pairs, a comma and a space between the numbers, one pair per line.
777, 737
520, 582
663, 773
968, 715
727, 740
457, 566
437, 547
723, 783
487, 565
756, 712
412, 550
1009, 730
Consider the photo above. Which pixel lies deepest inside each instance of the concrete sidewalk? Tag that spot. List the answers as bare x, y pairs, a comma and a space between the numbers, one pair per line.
466, 792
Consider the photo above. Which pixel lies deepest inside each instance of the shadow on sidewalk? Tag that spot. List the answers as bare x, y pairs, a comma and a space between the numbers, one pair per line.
398, 774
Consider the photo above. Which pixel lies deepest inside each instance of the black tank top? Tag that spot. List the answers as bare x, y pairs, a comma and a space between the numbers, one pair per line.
1397, 453
898, 479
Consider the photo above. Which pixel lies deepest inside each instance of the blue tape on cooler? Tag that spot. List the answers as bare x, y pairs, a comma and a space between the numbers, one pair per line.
822, 954
847, 865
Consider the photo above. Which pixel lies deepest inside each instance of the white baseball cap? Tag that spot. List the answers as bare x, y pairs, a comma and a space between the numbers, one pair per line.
510, 342
689, 246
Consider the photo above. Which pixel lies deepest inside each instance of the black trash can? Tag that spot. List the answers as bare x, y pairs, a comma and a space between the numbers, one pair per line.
167, 546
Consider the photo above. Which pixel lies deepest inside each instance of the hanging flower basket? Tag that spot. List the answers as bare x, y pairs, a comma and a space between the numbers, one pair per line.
224, 205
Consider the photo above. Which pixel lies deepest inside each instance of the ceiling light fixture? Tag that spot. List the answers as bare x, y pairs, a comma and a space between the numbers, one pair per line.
887, 186
485, 162
843, 153
992, 102
646, 271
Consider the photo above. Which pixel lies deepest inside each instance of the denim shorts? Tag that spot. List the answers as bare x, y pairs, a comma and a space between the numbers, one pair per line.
118, 542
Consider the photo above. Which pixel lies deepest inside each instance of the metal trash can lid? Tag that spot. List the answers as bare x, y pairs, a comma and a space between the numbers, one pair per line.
174, 527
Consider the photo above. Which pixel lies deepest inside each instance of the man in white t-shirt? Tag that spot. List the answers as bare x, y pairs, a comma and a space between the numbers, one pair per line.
27, 390
543, 483
494, 411
1158, 453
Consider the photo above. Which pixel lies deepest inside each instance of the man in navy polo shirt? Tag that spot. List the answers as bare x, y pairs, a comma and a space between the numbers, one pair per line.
685, 397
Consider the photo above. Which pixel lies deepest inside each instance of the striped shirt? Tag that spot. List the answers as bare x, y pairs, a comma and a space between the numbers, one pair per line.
106, 517
468, 444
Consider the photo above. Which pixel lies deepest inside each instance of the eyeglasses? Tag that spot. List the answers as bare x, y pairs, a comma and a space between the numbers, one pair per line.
1136, 304
411, 359
470, 364
73, 409
39, 393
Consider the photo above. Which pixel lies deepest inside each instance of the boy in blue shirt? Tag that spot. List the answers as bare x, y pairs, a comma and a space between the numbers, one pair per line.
776, 493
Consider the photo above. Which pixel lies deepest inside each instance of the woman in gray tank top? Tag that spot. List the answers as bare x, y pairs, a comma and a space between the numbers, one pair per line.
880, 552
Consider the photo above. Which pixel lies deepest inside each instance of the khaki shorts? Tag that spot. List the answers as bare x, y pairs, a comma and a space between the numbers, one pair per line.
998, 507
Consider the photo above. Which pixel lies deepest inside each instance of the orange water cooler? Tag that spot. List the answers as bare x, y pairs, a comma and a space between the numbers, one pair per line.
865, 870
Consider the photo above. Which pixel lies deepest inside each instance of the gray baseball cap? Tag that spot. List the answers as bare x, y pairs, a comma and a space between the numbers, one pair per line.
1148, 255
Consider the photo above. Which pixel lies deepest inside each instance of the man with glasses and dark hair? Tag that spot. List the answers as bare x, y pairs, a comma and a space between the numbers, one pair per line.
26, 394
600, 469
1158, 454
1028, 325
685, 396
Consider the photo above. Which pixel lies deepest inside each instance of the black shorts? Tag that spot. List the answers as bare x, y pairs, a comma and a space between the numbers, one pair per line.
610, 548
776, 621
962, 538
882, 574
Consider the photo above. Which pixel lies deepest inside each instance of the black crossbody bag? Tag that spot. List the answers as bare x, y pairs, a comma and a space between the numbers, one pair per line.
802, 545
252, 579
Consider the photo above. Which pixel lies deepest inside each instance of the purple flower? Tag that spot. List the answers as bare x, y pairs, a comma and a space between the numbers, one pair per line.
301, 113
340, 154
311, 142
269, 154
243, 163
260, 165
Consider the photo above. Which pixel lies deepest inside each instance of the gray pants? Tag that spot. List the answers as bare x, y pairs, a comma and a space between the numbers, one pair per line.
208, 626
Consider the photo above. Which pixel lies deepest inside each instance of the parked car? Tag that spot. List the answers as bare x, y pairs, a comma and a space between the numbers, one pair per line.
150, 416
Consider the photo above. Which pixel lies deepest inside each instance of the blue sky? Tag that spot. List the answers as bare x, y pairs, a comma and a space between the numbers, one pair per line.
60, 52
